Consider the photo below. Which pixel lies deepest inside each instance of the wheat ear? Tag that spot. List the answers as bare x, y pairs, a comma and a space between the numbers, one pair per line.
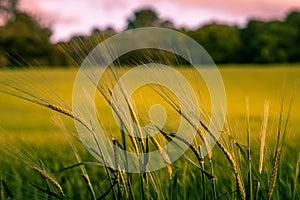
273, 179
50, 179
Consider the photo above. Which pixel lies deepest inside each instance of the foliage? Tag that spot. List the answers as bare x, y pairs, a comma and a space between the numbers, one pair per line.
147, 18
143, 18
257, 42
221, 41
24, 41
269, 42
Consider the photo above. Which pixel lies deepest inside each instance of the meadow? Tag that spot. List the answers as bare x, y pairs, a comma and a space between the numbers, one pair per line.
30, 137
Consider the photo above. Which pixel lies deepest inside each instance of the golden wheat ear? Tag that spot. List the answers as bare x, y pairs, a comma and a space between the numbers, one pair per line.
50, 178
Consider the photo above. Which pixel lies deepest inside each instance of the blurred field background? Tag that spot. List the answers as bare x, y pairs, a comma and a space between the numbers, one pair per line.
25, 126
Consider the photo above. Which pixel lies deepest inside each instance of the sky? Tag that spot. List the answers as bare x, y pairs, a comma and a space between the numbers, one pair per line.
69, 17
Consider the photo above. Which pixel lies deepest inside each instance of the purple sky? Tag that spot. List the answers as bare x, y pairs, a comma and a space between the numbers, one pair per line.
68, 17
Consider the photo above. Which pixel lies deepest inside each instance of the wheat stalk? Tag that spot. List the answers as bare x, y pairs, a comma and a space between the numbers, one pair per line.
236, 171
250, 188
296, 177
262, 143
88, 182
164, 155
273, 179
85, 175
50, 179
263, 136
196, 126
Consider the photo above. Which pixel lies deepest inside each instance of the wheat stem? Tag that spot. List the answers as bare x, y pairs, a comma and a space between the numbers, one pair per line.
250, 189
273, 179
164, 155
296, 177
50, 179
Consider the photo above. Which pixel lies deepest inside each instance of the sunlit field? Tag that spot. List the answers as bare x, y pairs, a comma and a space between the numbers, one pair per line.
29, 134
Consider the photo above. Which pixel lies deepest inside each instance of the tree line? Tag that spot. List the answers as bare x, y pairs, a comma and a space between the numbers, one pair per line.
25, 41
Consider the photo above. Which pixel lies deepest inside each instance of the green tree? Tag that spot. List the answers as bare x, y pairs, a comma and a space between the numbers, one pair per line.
143, 18
278, 41
167, 24
222, 42
268, 42
293, 21
251, 43
25, 42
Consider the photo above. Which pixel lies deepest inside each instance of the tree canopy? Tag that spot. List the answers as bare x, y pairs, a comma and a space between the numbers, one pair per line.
25, 41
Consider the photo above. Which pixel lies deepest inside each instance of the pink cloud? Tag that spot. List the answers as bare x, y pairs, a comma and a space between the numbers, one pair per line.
246, 7
50, 11
68, 16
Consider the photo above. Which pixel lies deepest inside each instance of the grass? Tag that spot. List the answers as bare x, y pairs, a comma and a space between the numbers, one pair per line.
52, 154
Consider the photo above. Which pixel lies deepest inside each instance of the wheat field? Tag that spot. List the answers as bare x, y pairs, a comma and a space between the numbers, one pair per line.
38, 161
